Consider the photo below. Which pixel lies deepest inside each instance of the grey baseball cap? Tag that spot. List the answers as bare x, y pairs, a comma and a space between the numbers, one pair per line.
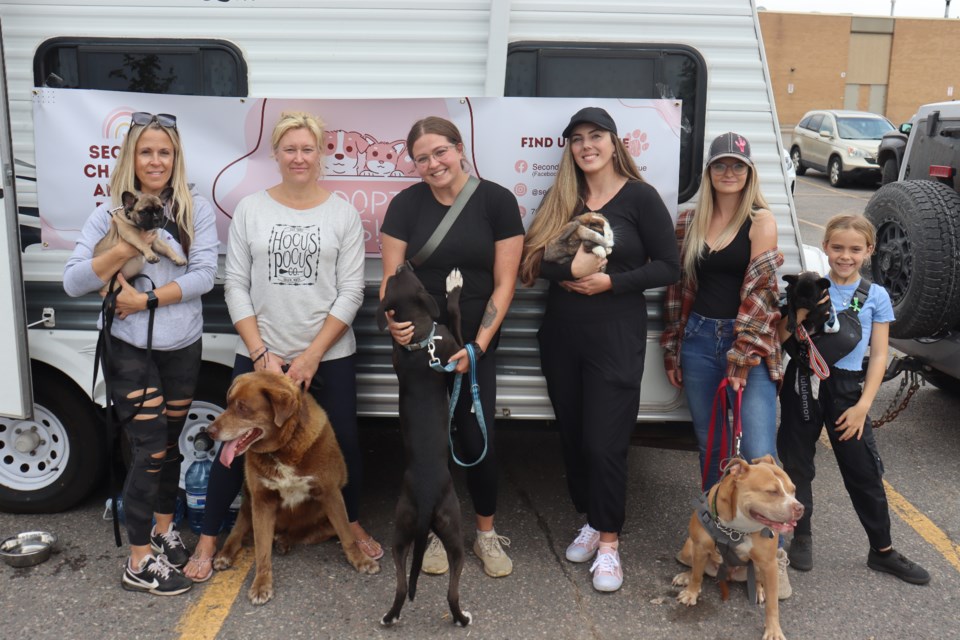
730, 145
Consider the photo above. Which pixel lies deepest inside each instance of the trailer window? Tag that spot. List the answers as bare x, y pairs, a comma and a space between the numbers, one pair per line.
181, 67
619, 71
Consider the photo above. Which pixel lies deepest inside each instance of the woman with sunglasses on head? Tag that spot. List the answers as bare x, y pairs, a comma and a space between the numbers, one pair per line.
294, 283
593, 338
152, 394
721, 318
484, 243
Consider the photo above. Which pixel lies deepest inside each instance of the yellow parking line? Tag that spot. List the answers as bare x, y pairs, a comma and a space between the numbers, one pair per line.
917, 520
202, 621
835, 192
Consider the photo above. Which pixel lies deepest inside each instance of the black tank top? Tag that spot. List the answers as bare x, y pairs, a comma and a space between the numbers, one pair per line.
720, 276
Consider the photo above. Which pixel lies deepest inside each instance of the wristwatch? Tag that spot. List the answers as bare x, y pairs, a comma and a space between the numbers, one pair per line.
152, 301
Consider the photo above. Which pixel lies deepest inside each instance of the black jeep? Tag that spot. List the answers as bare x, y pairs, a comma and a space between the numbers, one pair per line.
917, 255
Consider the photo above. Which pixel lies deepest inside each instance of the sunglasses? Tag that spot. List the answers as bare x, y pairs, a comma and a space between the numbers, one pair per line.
143, 118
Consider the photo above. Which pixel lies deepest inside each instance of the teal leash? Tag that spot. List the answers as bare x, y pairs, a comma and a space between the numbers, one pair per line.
477, 407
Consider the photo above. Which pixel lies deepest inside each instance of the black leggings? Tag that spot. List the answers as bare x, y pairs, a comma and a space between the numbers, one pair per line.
335, 388
152, 483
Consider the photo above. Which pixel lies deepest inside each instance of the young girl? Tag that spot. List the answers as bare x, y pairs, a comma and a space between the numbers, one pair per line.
842, 404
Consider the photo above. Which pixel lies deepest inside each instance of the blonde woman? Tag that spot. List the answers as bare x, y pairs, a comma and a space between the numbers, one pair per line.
294, 283
721, 318
594, 333
151, 162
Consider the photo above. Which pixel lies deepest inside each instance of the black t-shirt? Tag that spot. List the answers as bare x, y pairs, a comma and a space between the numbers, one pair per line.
644, 256
491, 214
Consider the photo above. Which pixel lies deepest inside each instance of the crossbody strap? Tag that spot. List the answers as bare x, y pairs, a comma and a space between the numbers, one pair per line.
451, 216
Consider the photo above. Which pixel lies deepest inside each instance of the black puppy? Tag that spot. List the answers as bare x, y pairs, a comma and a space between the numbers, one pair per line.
428, 499
805, 291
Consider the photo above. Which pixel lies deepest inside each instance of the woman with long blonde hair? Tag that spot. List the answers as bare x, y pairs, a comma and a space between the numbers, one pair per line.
594, 333
721, 318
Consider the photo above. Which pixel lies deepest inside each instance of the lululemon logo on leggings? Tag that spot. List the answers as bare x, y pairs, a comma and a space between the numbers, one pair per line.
293, 253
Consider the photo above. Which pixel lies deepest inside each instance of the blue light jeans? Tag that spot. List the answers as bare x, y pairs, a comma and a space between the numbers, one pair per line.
703, 362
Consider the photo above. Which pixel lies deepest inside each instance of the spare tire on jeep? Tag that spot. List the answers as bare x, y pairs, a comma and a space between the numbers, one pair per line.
916, 257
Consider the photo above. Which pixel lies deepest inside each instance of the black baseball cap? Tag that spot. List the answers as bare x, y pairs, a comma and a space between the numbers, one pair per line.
730, 145
593, 115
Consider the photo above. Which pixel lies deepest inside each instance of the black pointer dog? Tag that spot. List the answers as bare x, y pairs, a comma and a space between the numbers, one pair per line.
428, 499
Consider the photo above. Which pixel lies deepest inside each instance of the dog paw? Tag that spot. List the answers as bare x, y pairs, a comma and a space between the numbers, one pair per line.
761, 593
774, 633
467, 619
152, 258
260, 593
220, 562
681, 579
281, 545
389, 620
369, 567
688, 597
177, 260
454, 280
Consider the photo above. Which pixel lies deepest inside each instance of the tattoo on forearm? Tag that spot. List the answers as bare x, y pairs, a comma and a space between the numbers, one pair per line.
489, 314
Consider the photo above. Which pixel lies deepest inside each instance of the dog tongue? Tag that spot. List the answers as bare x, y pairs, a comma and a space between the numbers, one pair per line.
228, 451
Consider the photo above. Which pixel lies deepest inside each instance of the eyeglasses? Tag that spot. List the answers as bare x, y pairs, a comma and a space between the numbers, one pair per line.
143, 118
438, 154
720, 168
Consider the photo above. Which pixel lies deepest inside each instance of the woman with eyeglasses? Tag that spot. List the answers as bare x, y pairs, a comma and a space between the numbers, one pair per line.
152, 394
294, 284
593, 338
484, 243
721, 318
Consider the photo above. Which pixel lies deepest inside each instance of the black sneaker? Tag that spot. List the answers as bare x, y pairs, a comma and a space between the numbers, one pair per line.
170, 545
156, 576
801, 552
899, 565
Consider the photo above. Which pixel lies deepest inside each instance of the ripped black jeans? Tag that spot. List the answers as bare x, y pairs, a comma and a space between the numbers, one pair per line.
170, 378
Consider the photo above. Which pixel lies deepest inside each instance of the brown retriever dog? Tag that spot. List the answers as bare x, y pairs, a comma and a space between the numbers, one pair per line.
294, 474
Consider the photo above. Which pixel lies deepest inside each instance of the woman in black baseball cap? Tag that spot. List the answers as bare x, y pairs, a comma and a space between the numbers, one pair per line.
594, 332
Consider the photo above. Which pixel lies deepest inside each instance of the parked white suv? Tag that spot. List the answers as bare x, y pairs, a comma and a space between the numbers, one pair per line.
842, 144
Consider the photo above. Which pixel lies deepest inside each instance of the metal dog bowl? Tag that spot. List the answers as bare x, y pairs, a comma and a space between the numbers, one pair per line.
28, 548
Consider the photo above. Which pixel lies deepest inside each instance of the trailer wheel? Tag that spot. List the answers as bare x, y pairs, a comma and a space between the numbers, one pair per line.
54, 461
918, 223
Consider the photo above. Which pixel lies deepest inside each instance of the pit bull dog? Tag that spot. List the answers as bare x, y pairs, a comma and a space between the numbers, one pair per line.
745, 511
427, 499
294, 472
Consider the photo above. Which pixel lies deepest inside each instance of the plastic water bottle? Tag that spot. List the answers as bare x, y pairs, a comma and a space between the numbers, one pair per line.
231, 517
108, 509
198, 475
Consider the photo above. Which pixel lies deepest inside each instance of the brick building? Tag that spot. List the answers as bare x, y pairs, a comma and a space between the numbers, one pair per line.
884, 65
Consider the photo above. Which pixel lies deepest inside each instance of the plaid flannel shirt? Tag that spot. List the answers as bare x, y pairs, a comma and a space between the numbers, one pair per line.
757, 318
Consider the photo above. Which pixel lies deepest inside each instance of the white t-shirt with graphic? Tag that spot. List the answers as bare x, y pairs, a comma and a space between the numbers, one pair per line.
292, 268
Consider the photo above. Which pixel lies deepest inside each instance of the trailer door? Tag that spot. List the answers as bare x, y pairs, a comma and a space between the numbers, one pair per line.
15, 390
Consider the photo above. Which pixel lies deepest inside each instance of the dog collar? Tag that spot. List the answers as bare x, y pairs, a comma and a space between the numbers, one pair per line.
423, 344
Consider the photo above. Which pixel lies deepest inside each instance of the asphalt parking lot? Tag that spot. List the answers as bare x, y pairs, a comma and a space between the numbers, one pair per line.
76, 594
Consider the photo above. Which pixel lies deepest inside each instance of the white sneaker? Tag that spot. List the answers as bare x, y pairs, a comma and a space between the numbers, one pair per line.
607, 572
585, 545
435, 557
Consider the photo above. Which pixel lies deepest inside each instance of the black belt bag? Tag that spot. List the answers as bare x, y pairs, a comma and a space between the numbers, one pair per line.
835, 346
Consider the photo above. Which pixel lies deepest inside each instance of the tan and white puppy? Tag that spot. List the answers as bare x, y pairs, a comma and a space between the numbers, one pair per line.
139, 213
748, 499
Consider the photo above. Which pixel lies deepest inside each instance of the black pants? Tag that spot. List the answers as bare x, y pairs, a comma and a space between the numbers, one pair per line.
859, 462
593, 373
468, 439
335, 388
152, 483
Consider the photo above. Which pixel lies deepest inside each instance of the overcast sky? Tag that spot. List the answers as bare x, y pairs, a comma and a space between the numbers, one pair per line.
902, 8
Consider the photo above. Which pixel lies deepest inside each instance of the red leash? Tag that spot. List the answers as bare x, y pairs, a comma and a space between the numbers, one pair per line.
720, 402
818, 365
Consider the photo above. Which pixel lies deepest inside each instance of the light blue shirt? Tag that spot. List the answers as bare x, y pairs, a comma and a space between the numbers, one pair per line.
877, 308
